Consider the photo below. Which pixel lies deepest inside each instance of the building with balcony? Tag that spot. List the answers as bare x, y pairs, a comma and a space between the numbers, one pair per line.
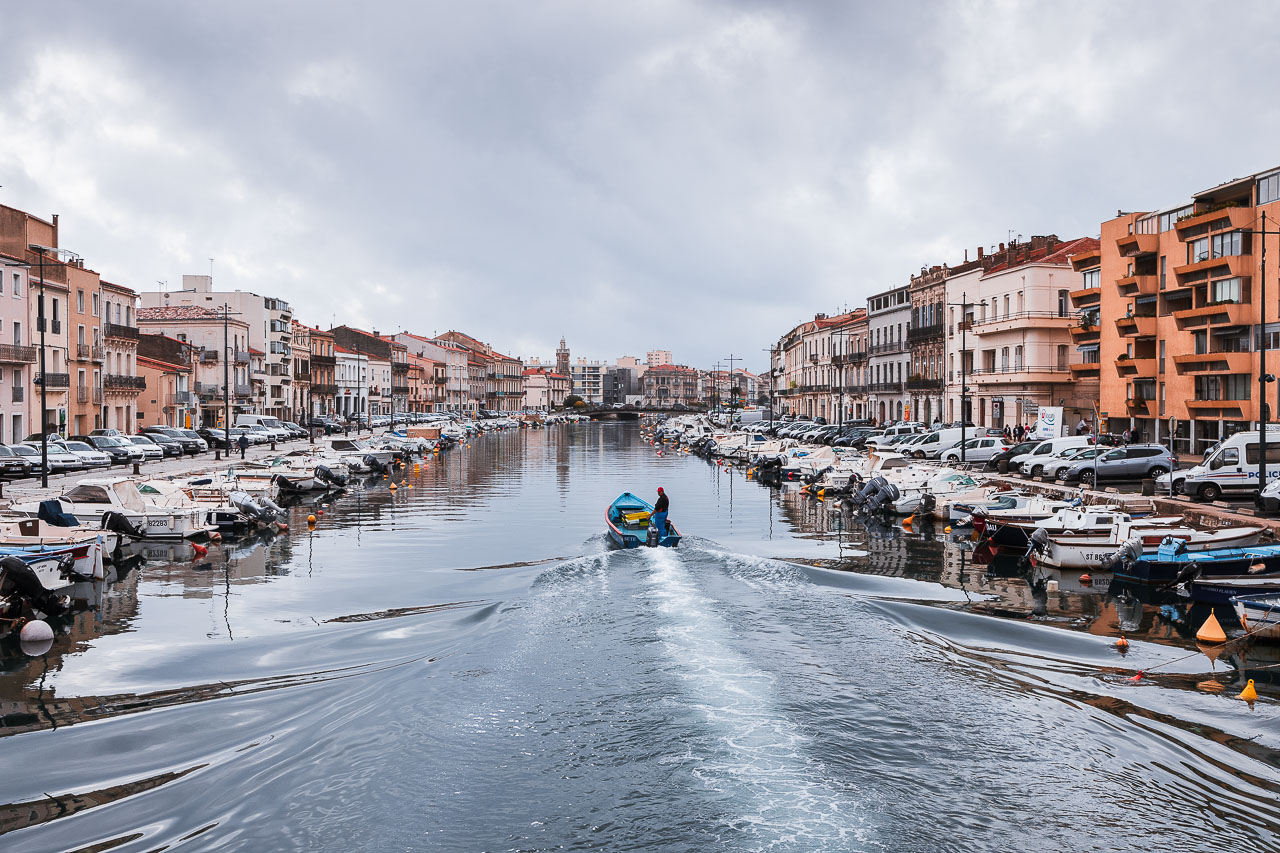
544, 389
351, 375
587, 380
270, 324
926, 382
301, 372
889, 356
17, 356
1180, 315
453, 393
1014, 314
669, 384
165, 366
119, 330
220, 356
323, 392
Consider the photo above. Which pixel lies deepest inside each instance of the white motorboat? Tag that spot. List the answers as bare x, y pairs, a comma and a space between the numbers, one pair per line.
358, 456
1092, 520
924, 496
1087, 550
114, 503
995, 501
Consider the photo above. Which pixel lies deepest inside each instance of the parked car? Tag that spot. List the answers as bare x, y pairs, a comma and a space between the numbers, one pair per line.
13, 465
192, 436
150, 450
28, 454
1017, 450
1046, 448
120, 451
89, 456
59, 459
1135, 462
190, 445
300, 432
170, 445
213, 436
1055, 465
976, 449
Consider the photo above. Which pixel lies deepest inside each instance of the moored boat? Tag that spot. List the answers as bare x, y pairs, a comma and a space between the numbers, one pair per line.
628, 522
1259, 614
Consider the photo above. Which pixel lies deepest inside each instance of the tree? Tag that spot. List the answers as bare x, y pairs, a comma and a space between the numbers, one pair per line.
573, 400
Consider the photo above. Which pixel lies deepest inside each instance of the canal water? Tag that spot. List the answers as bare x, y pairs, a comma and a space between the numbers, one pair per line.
466, 666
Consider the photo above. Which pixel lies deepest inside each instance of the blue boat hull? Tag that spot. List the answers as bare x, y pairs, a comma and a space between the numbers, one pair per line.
1166, 566
626, 536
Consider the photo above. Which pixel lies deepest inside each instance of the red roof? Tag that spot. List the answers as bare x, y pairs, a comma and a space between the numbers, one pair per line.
253, 351
162, 365
1021, 255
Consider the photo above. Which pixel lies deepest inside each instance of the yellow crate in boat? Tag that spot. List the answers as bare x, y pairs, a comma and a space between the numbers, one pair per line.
635, 517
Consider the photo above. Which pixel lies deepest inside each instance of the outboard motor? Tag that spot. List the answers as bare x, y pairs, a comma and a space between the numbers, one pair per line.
251, 508
374, 465
1126, 555
870, 488
882, 499
1037, 543
928, 504
18, 580
817, 475
117, 523
329, 477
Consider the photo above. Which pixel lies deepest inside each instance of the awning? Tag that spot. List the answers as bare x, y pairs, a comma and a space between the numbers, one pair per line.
1093, 347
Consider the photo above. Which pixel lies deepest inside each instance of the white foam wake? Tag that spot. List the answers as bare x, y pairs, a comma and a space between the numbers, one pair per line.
753, 753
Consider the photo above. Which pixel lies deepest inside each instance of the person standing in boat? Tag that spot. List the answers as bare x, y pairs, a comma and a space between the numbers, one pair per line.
659, 517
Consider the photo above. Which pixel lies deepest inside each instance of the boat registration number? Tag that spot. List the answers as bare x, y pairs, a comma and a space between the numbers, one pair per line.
157, 522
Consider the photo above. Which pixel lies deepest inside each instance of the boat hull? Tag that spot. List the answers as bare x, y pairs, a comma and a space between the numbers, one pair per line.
624, 535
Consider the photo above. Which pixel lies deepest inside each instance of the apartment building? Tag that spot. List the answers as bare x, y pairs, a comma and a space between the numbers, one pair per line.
224, 365
655, 357
120, 383
544, 389
87, 355
669, 384
351, 373
1173, 301
324, 388
587, 378
270, 323
452, 394
301, 372
17, 355
926, 341
167, 364
888, 356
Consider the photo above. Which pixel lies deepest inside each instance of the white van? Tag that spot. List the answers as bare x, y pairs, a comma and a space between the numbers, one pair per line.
1232, 465
942, 440
273, 426
1045, 449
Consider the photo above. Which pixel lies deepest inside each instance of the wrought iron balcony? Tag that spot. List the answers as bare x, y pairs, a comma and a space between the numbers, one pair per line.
13, 354
924, 333
117, 330
90, 352
119, 382
52, 380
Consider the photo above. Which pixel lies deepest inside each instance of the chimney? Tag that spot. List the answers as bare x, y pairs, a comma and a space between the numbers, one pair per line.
1002, 247
966, 253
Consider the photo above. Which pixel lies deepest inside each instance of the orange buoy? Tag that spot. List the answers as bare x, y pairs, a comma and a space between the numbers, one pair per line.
1211, 631
1122, 644
1249, 694
1086, 580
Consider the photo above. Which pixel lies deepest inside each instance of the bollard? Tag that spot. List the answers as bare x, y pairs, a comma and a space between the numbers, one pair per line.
217, 454
1148, 487
273, 444
1003, 466
137, 467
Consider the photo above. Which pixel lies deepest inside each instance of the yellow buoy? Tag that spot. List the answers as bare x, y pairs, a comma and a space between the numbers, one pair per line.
311, 519
822, 493
1248, 694
1211, 631
947, 529
392, 487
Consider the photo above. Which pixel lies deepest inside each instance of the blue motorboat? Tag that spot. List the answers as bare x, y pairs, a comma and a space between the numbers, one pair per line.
628, 521
1173, 563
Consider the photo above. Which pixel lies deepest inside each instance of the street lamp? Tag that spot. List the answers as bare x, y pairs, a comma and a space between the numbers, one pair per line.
964, 383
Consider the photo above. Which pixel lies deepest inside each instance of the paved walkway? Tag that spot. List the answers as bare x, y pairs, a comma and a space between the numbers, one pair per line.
29, 489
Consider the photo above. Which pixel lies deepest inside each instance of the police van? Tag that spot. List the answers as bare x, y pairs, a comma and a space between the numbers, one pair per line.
1231, 465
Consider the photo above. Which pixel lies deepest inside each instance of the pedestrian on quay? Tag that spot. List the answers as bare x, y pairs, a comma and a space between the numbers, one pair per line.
1082, 428
659, 518
243, 444
1125, 436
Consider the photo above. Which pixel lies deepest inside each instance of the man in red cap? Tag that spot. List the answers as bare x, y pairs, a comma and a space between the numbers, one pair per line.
659, 517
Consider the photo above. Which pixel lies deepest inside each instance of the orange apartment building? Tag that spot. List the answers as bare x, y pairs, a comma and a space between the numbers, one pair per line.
1171, 312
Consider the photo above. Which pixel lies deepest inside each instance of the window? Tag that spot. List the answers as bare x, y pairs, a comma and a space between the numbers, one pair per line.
1198, 250
1091, 278
1062, 356
1163, 264
80, 301
1004, 359
1161, 365
1170, 219
1064, 303
17, 285
1017, 358
1226, 290
95, 302
1230, 243
1269, 188
17, 333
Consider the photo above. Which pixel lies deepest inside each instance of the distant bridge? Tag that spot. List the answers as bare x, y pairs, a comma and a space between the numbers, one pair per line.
634, 413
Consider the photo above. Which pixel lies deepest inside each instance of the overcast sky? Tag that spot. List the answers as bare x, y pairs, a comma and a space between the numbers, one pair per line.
688, 176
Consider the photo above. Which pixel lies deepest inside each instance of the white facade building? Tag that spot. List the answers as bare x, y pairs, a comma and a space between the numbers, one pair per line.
351, 375
889, 357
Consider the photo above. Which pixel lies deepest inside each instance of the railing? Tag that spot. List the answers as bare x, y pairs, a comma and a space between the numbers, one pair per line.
241, 357
53, 380
13, 354
1030, 368
324, 389
404, 389
181, 398
82, 393
116, 330
1023, 315
921, 333
440, 380
208, 356
302, 375
399, 367
885, 387
924, 384
89, 352
18, 393
97, 393
880, 349
243, 390
205, 389
118, 382
323, 359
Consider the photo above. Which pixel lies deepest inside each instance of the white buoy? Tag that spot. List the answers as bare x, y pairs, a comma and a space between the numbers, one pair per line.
36, 638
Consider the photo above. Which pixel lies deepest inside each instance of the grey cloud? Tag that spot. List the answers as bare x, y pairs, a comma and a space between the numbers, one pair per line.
692, 176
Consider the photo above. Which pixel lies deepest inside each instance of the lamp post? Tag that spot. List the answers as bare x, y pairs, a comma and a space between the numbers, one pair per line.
964, 376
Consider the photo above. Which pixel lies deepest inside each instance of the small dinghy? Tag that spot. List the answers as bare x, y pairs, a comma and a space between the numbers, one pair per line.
628, 521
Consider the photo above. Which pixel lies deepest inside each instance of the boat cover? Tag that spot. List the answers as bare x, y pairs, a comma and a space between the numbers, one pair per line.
50, 511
